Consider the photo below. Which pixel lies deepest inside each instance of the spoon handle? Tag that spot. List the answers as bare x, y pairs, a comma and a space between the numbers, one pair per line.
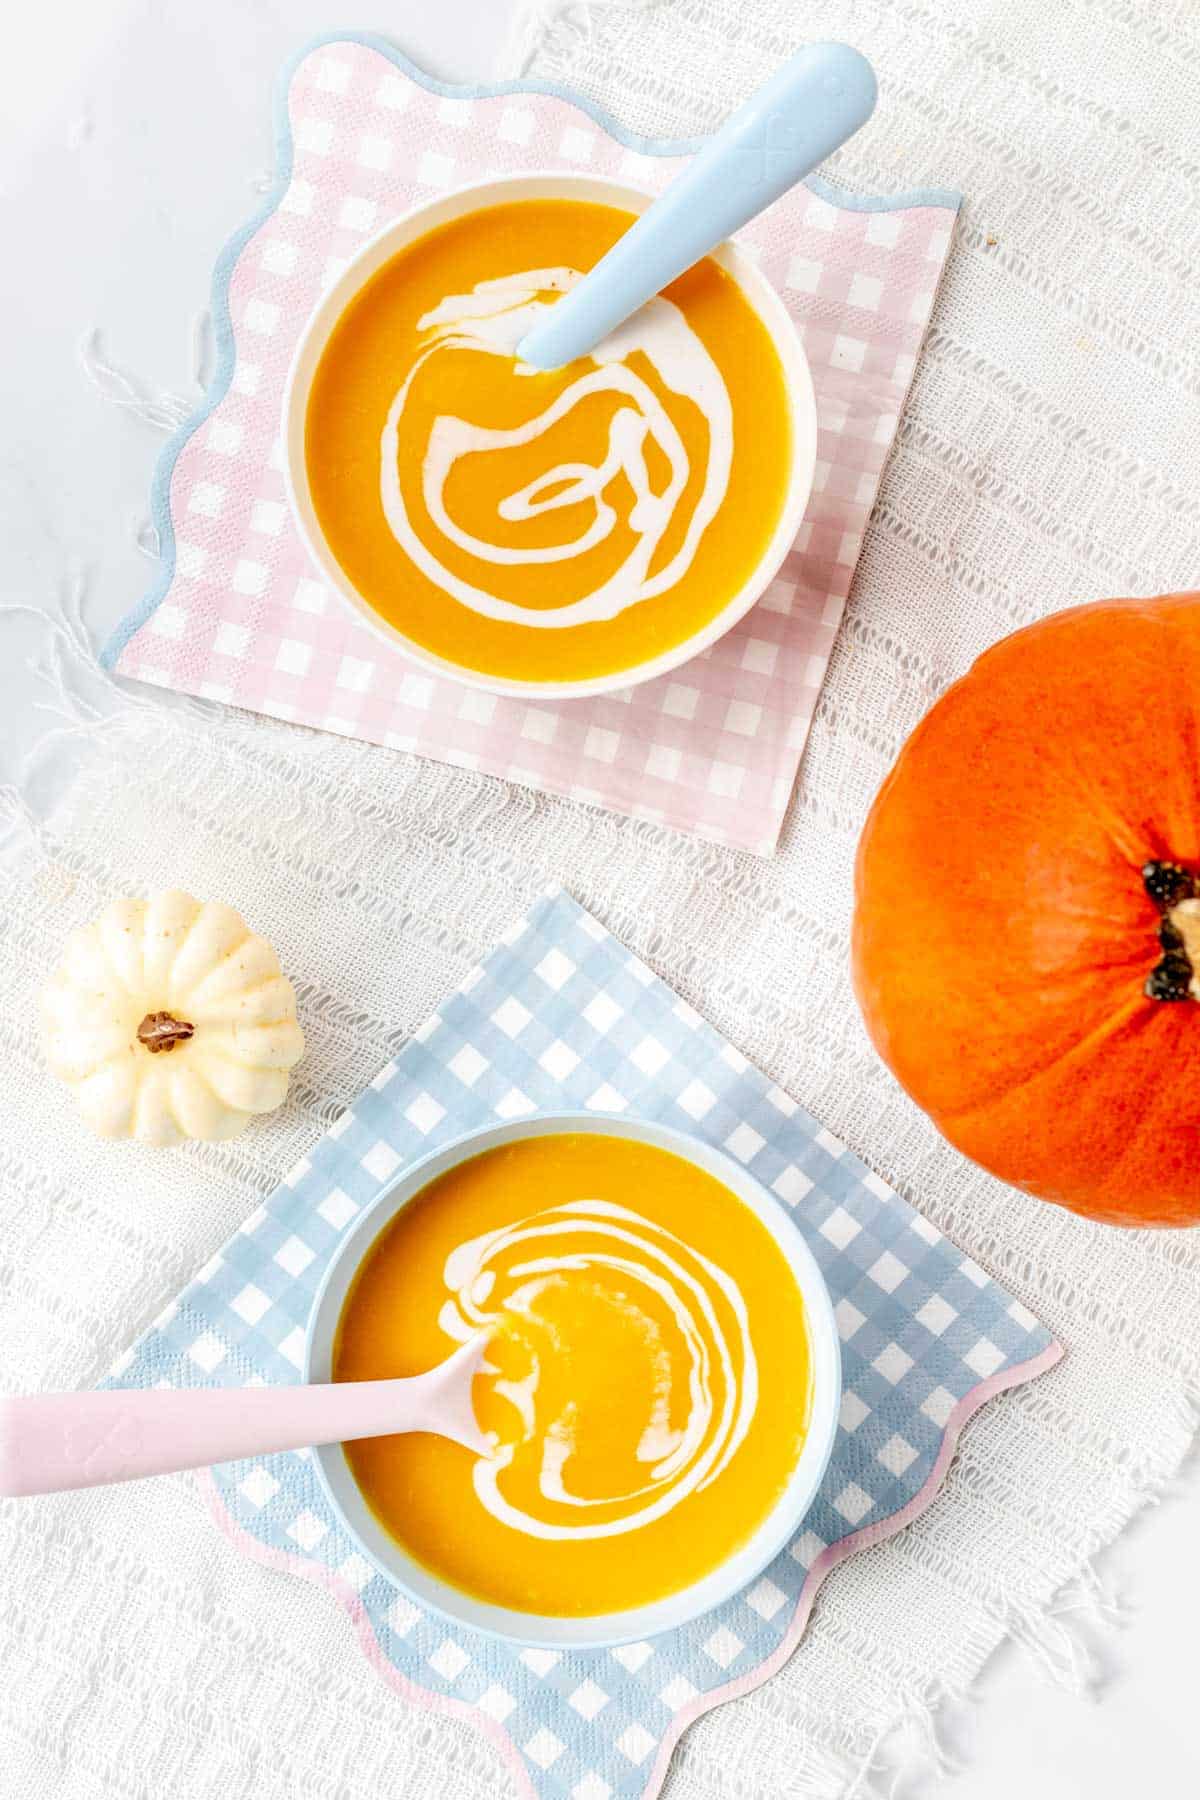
819, 98
51, 1442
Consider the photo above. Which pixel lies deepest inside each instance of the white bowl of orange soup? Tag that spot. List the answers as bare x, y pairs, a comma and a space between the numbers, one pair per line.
556, 534
661, 1392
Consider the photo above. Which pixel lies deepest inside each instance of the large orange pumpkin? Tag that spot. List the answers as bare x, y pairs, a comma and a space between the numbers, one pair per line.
1027, 936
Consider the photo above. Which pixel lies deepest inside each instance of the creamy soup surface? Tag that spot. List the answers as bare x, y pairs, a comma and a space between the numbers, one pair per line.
544, 526
648, 1387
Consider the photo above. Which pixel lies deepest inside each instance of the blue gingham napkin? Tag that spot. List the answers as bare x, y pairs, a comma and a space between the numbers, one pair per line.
562, 1016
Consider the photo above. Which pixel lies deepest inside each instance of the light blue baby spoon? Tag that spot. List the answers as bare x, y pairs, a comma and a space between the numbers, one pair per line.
816, 101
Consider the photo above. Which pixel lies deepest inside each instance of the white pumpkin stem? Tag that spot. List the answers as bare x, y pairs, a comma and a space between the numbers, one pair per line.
162, 1031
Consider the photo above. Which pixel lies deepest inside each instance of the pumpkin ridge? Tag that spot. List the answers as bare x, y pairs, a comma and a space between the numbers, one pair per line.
96, 937
232, 1028
93, 1080
224, 1051
1125, 835
1121, 966
1092, 1040
232, 1048
238, 1009
267, 1077
234, 950
142, 1103
181, 946
97, 934
170, 1109
230, 1021
114, 1056
1126, 1155
1181, 691
152, 931
217, 967
198, 991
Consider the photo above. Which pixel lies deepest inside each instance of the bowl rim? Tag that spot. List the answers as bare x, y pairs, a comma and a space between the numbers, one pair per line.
479, 196
598, 1630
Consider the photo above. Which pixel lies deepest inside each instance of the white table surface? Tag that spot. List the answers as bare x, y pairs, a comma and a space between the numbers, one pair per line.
129, 140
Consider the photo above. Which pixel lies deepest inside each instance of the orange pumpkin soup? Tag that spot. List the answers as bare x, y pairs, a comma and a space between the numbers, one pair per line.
648, 1384
544, 526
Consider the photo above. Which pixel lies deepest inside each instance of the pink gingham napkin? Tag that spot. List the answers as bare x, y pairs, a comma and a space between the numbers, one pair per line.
238, 614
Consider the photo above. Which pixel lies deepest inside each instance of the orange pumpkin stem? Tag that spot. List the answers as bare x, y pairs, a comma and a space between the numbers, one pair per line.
1173, 890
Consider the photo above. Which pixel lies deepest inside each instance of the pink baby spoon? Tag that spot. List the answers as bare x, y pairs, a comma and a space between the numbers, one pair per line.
49, 1442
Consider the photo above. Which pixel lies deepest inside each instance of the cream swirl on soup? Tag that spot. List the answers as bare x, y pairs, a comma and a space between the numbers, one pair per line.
598, 1458
650, 1374
491, 319
545, 527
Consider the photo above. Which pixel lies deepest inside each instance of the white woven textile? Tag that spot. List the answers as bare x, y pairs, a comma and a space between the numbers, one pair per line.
1049, 454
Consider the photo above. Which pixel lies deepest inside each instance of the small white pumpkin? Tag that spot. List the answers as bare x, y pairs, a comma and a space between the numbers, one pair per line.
169, 1018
